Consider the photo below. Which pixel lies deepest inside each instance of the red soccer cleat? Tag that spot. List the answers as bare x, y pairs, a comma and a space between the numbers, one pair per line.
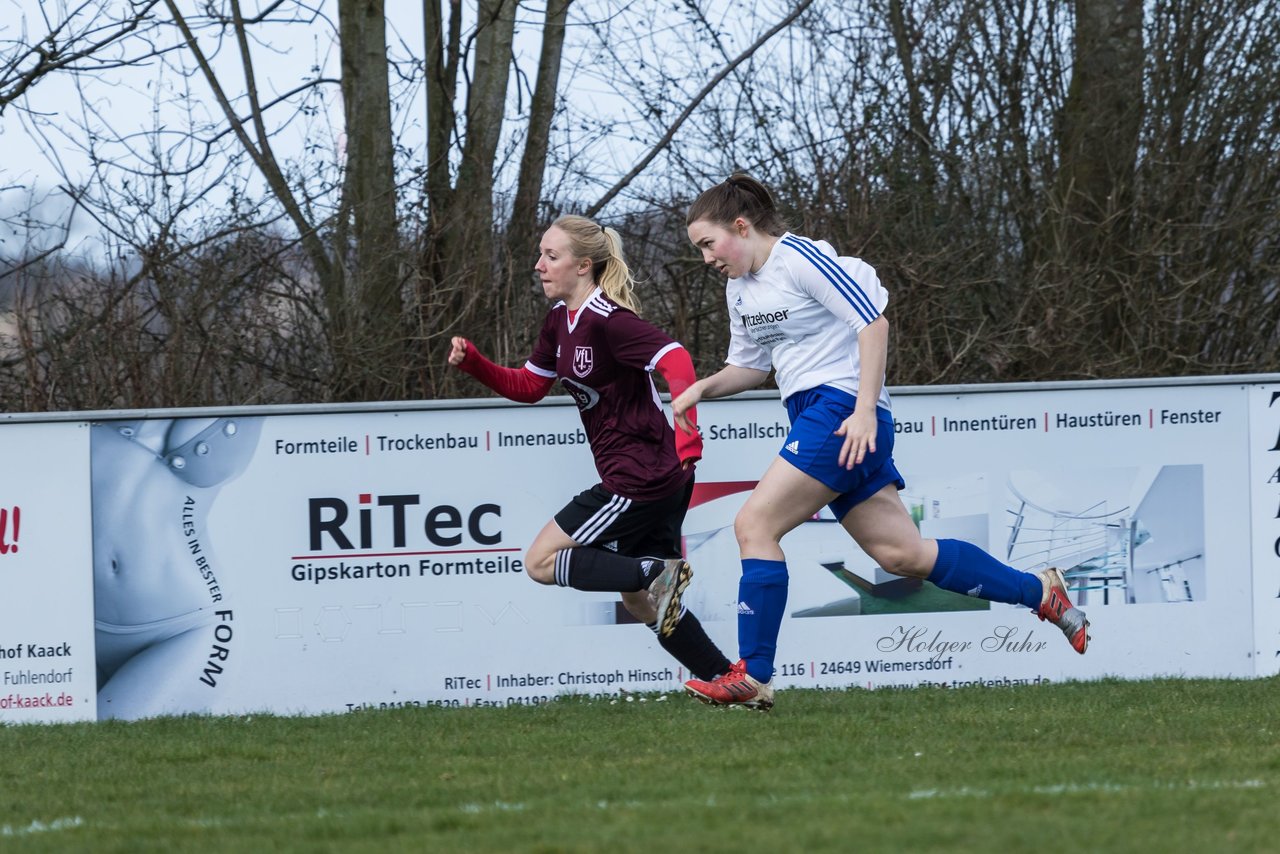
735, 688
1056, 607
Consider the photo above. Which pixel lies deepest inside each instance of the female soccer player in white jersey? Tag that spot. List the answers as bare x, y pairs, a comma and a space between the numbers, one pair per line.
818, 320
623, 534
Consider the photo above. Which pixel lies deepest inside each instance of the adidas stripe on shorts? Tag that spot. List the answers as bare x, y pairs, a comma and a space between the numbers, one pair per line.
597, 517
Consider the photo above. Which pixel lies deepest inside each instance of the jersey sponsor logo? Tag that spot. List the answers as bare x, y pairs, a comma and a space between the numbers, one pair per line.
763, 317
793, 446
585, 397
583, 360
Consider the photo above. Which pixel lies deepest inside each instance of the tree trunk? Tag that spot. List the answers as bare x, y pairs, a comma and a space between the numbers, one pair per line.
1087, 241
1103, 113
486, 106
375, 347
522, 303
443, 51
524, 225
457, 250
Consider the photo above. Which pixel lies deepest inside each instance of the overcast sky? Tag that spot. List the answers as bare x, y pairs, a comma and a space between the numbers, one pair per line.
44, 135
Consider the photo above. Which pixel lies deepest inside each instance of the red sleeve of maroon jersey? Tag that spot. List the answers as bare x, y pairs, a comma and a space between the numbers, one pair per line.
677, 369
517, 384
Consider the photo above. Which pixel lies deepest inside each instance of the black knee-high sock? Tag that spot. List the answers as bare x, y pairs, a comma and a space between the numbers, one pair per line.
690, 646
596, 569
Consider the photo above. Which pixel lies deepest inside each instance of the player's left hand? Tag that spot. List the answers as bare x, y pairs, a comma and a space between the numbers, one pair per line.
859, 431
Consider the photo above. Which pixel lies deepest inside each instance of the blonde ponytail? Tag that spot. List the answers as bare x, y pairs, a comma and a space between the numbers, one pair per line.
615, 279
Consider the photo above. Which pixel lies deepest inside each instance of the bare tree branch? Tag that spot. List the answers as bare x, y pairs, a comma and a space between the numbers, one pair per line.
260, 152
693, 105
64, 48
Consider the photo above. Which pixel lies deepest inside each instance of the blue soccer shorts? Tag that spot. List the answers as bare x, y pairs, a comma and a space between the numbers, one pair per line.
813, 447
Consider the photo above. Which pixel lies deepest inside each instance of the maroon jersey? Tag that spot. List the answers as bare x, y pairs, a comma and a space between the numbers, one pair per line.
604, 357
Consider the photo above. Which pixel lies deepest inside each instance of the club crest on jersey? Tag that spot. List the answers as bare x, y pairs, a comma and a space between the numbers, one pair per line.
583, 360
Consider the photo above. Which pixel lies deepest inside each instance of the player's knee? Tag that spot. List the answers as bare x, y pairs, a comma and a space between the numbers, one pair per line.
898, 560
752, 532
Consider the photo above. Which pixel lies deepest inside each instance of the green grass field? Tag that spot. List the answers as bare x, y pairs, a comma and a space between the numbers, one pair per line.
1163, 765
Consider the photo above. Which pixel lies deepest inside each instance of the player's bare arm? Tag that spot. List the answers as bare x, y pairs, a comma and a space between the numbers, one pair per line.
729, 380
859, 429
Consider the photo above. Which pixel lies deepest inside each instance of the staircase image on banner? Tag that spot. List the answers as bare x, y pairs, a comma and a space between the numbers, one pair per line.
1120, 536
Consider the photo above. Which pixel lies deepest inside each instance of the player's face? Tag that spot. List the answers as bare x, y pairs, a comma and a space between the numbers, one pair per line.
561, 272
726, 249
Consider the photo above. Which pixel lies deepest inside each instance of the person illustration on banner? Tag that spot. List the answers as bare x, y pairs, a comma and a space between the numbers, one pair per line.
158, 587
817, 319
622, 534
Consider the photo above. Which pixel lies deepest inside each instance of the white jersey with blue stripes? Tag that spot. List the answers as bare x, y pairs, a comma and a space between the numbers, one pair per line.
800, 314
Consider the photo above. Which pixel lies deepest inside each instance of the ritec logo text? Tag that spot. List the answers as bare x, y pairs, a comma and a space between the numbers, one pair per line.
397, 521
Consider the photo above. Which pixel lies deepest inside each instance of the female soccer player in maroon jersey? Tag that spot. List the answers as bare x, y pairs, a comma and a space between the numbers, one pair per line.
623, 534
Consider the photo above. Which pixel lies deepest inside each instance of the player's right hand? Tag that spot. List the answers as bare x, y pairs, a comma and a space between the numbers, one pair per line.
458, 350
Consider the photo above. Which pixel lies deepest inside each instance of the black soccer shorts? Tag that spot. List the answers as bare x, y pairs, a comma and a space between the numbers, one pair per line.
597, 517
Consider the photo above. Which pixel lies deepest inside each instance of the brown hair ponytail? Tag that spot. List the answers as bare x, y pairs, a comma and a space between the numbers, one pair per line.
739, 195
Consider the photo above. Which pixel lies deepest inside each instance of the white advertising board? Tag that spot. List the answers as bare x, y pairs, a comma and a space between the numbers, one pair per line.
328, 562
1264, 478
46, 591
1138, 494
341, 561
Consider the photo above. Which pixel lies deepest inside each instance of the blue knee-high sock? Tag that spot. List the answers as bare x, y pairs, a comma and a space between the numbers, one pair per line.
964, 568
762, 602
